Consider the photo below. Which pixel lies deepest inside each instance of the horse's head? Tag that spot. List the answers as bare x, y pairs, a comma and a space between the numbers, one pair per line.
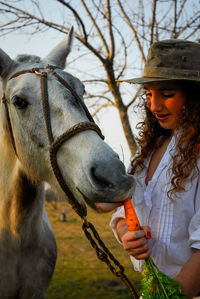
89, 167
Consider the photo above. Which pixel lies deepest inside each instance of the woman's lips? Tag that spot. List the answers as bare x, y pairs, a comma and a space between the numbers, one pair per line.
162, 117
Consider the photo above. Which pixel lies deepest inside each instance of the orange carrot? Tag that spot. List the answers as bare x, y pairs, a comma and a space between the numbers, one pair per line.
131, 216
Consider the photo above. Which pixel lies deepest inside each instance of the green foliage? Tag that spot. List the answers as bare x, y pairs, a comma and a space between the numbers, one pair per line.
156, 284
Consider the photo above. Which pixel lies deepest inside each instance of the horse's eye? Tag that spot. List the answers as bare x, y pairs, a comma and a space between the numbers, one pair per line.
20, 103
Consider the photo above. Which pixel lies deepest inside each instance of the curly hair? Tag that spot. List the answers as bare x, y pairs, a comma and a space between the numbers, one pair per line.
151, 134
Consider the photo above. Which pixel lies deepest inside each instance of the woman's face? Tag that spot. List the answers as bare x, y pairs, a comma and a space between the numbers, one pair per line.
166, 101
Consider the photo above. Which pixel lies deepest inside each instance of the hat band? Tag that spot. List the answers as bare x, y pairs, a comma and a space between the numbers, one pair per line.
170, 73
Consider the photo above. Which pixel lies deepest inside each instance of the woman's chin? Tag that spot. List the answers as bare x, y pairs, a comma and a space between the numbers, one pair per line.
104, 207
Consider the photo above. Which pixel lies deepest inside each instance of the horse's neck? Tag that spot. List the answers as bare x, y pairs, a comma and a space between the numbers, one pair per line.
21, 204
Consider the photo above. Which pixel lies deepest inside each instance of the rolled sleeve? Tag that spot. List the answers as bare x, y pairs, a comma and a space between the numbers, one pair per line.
115, 218
194, 226
194, 231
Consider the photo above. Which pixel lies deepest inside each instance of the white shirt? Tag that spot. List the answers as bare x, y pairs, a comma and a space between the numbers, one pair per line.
175, 223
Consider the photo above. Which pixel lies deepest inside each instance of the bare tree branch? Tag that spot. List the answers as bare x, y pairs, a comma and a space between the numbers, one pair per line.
100, 108
181, 9
112, 41
134, 98
42, 21
96, 26
175, 19
128, 21
101, 96
153, 20
94, 81
193, 32
76, 15
189, 24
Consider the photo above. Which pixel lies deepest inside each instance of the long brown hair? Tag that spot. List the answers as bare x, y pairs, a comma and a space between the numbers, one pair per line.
184, 162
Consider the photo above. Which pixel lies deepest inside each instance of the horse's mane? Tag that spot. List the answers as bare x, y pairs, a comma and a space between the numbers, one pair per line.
24, 58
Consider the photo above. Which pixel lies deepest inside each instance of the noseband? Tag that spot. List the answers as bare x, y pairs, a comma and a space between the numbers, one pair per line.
55, 144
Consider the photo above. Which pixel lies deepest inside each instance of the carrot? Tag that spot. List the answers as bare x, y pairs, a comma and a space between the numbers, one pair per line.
131, 216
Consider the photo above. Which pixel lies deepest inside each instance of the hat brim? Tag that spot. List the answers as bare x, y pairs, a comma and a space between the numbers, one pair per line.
144, 80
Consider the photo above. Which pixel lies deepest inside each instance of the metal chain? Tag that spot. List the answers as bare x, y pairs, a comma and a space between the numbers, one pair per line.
106, 256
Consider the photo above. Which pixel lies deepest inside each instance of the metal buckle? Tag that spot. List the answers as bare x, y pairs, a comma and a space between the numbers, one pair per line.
38, 73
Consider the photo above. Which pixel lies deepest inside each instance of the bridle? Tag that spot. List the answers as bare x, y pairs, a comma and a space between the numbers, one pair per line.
54, 145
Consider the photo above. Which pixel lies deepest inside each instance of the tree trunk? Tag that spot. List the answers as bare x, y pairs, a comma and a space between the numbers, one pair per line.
123, 111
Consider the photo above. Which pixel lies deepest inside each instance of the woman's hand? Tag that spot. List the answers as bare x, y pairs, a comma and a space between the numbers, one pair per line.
134, 242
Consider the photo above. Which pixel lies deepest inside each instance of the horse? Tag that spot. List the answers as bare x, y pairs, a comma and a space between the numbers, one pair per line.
41, 105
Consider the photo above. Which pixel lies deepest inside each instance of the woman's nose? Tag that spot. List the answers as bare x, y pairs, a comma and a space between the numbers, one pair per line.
156, 102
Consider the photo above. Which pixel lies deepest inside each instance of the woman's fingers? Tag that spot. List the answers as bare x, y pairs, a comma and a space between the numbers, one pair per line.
147, 231
142, 256
136, 243
139, 250
133, 243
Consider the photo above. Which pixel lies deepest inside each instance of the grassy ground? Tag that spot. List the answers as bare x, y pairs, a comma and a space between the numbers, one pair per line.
79, 273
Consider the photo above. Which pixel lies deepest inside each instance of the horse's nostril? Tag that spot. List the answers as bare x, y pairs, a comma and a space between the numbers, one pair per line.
100, 177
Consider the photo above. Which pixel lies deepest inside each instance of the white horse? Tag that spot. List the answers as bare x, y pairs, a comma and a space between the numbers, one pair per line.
89, 167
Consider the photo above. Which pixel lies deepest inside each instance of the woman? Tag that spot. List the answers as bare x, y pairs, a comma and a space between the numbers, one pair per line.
167, 166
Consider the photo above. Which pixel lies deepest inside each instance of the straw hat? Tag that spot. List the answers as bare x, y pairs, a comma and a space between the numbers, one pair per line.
171, 60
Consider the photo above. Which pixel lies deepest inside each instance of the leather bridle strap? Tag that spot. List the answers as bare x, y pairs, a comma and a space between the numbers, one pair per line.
4, 101
45, 105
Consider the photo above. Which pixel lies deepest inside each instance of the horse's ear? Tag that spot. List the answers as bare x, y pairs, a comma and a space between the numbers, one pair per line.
59, 54
5, 63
